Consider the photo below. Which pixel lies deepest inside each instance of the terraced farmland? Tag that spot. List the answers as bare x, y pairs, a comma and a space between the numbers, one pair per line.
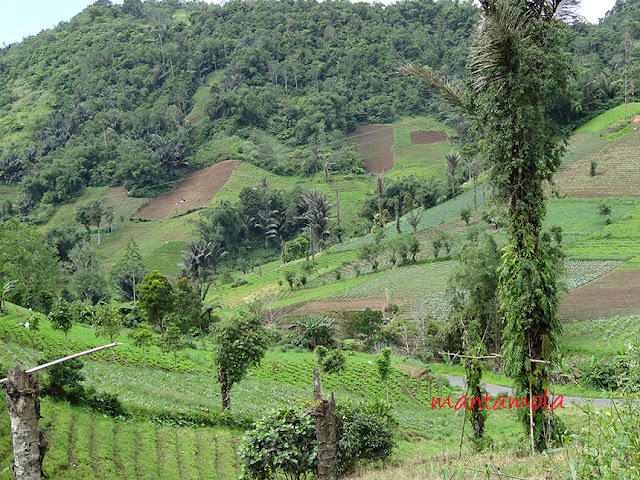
617, 174
615, 293
88, 445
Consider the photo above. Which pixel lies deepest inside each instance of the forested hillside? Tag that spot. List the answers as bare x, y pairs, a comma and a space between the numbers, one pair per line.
137, 94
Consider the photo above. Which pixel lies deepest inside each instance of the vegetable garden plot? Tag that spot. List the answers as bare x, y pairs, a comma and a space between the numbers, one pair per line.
423, 138
195, 190
616, 293
375, 143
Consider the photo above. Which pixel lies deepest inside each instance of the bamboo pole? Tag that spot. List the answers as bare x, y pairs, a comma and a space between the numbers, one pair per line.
70, 357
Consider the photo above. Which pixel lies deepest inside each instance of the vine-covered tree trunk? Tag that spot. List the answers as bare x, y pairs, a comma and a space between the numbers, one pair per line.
325, 432
29, 445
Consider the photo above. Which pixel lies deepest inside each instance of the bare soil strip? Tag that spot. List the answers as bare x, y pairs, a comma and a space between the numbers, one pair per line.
375, 143
425, 138
195, 190
616, 293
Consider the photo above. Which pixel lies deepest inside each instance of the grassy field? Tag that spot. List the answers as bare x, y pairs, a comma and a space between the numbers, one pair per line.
603, 337
618, 240
421, 160
607, 119
580, 218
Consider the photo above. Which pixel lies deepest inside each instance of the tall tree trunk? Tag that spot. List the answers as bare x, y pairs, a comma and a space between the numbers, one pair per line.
325, 432
225, 390
29, 444
337, 207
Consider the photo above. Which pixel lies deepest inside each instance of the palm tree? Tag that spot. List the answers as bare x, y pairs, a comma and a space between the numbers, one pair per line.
316, 210
452, 162
516, 63
199, 259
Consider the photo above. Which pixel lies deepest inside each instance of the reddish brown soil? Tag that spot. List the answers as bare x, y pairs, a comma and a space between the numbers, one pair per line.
616, 293
350, 305
195, 190
424, 138
375, 143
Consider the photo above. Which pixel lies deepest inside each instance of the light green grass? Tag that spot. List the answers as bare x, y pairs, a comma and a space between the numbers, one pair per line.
327, 291
202, 96
20, 119
603, 337
619, 240
411, 282
67, 213
421, 160
579, 217
160, 243
607, 119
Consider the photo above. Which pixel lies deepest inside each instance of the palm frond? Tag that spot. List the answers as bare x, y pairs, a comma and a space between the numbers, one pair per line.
448, 90
496, 44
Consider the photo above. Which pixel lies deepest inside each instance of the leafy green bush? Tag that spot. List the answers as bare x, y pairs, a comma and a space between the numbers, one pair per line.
63, 380
284, 442
107, 403
364, 433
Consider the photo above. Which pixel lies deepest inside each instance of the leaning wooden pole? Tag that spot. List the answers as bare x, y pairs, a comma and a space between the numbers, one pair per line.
325, 432
22, 390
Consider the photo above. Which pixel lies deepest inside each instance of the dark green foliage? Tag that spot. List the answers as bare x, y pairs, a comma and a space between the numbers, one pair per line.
363, 325
315, 330
107, 403
333, 362
284, 443
604, 209
240, 343
593, 167
28, 259
364, 434
155, 298
441, 240
61, 318
370, 253
296, 248
465, 214
64, 380
128, 272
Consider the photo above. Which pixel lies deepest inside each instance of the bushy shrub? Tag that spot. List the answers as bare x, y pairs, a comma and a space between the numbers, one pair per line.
284, 443
364, 432
107, 403
63, 380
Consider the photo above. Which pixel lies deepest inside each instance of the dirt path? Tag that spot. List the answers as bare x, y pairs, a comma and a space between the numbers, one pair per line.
195, 190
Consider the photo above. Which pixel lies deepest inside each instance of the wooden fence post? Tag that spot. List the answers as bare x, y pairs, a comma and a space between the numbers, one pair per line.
22, 389
29, 445
325, 432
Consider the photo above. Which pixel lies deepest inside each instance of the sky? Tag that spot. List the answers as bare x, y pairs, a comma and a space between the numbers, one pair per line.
22, 18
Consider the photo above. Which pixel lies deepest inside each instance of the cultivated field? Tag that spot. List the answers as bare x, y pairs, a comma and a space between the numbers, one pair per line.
423, 138
195, 190
617, 172
615, 293
374, 143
